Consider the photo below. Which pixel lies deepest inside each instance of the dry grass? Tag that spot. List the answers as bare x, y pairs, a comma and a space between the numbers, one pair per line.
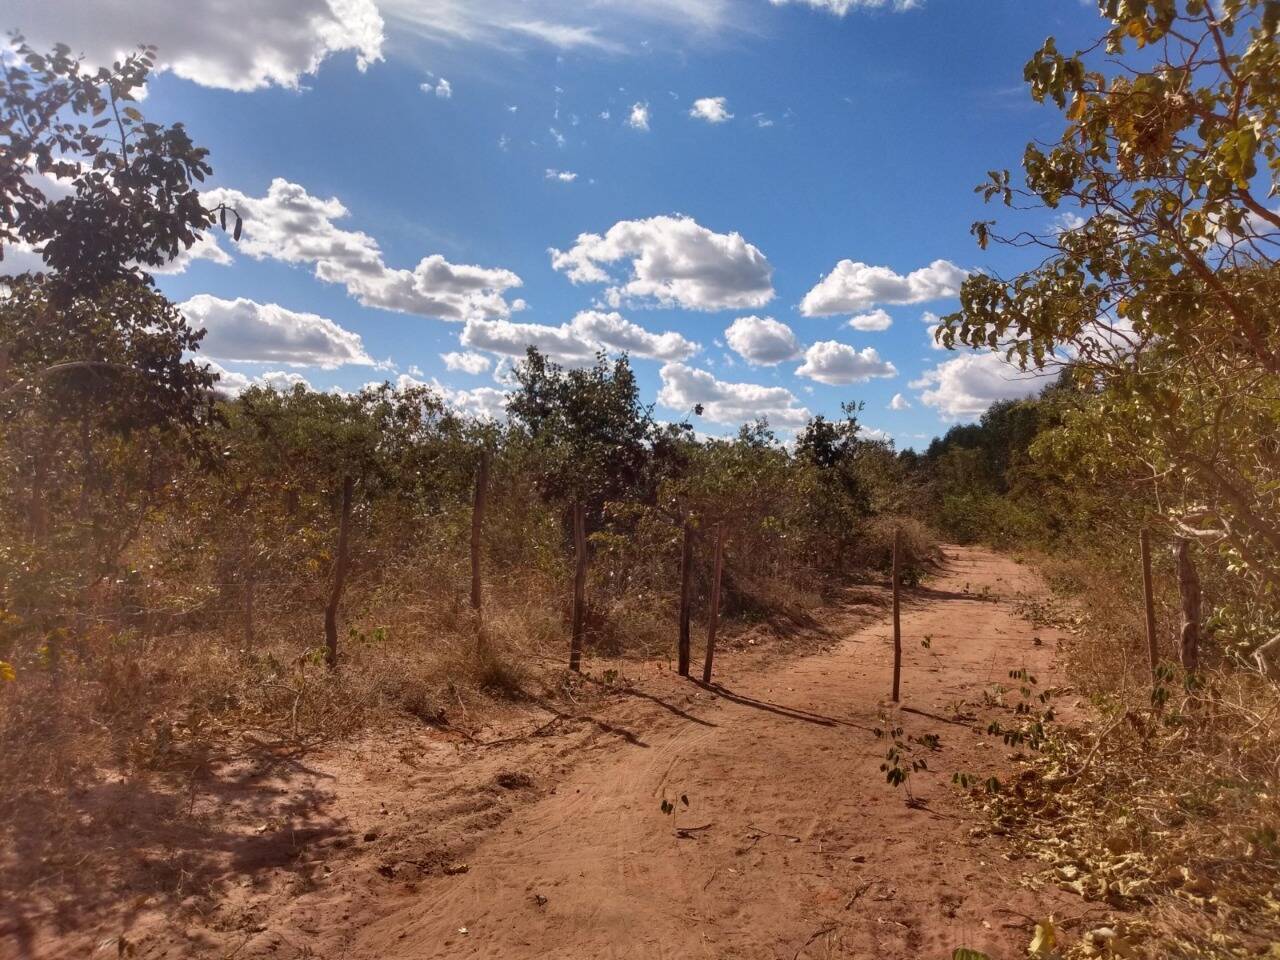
147, 704
1162, 811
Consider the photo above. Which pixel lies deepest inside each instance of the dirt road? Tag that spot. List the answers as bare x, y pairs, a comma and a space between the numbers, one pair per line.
542, 834
791, 844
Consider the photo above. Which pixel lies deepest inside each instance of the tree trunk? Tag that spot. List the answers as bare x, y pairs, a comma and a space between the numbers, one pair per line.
477, 526
579, 586
686, 572
1148, 594
1189, 591
713, 619
339, 578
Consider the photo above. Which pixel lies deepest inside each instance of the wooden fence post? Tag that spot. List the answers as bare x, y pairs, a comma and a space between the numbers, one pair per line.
686, 575
1149, 600
897, 617
250, 642
1189, 591
579, 586
477, 524
714, 619
339, 577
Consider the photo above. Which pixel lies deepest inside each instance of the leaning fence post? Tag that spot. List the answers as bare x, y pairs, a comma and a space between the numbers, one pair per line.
897, 618
579, 586
686, 572
339, 577
477, 523
1149, 600
1189, 591
714, 619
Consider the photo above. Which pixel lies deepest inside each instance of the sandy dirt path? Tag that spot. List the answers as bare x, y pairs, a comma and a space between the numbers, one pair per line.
791, 845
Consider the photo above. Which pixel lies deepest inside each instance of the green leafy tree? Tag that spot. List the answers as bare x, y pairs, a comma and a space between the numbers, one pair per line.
99, 401
1161, 287
595, 441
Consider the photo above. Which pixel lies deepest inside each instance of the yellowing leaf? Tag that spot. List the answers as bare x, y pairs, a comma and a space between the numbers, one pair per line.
7, 673
1045, 939
1077, 107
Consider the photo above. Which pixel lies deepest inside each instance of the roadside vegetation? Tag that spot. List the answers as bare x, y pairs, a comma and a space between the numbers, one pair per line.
1155, 297
168, 548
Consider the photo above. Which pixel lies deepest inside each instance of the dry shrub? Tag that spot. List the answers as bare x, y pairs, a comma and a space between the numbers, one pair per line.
874, 546
1166, 811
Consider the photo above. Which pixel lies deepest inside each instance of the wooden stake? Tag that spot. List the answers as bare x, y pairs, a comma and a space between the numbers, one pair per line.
897, 615
339, 577
579, 586
714, 618
249, 641
477, 524
1189, 591
1148, 594
686, 573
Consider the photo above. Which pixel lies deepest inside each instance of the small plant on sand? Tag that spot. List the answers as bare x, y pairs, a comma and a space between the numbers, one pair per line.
668, 807
899, 760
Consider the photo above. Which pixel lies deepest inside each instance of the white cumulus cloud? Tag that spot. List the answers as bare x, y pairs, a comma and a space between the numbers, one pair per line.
229, 381
872, 321
291, 225
205, 248
683, 387
675, 261
230, 44
711, 109
244, 330
232, 383
563, 176
614, 331
283, 381
829, 361
468, 362
899, 402
487, 403
762, 341
853, 286
577, 342
966, 386
931, 320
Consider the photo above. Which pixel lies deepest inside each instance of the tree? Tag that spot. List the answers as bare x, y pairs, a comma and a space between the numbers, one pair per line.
1161, 288
99, 400
85, 180
594, 439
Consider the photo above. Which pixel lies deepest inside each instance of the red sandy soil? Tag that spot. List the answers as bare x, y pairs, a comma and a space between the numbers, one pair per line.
545, 837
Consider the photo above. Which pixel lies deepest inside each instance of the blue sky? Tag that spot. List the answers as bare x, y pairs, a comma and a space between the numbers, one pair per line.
847, 132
